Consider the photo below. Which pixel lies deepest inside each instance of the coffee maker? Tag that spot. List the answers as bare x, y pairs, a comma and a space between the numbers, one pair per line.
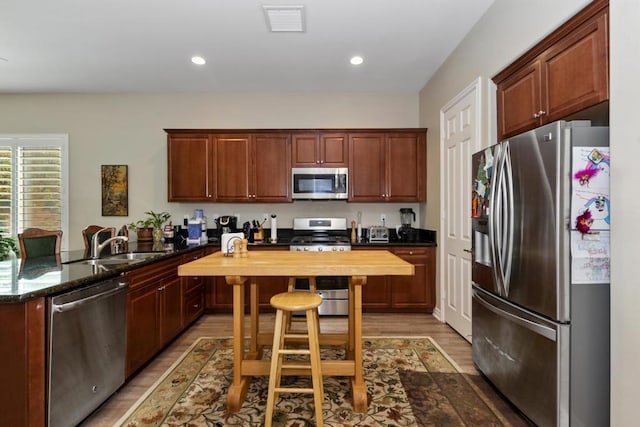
226, 224
407, 233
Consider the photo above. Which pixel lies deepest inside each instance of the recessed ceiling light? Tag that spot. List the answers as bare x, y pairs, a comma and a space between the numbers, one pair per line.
356, 60
198, 60
288, 18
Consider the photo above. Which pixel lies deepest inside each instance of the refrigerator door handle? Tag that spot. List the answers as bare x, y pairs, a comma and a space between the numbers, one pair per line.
509, 220
532, 326
497, 229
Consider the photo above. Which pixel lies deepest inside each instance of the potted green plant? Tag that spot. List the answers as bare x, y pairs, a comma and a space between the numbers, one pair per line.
150, 228
8, 246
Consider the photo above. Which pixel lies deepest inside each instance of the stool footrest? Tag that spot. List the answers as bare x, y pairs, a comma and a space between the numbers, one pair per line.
296, 366
290, 351
296, 336
293, 390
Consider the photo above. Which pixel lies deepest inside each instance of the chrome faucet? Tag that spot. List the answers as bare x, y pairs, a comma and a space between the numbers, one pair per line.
97, 247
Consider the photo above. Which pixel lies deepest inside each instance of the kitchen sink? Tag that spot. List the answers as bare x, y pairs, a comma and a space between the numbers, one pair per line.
132, 256
104, 261
119, 259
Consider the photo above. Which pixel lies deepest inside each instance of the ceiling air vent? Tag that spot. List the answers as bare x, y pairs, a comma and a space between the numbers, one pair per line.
287, 18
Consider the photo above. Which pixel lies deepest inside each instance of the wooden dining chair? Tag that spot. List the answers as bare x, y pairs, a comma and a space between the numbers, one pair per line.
36, 242
91, 230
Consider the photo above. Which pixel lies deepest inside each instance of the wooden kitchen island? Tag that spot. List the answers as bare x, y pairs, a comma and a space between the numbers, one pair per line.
355, 264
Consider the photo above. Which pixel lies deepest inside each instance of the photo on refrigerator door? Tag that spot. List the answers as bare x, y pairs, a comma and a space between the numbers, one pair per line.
590, 196
481, 184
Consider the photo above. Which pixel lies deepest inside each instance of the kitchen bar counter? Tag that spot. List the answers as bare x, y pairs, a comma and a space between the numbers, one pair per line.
240, 270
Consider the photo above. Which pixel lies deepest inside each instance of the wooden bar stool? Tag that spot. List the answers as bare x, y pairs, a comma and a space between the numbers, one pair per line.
291, 287
285, 303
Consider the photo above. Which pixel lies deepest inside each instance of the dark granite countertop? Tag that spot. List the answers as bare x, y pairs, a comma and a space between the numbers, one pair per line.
25, 279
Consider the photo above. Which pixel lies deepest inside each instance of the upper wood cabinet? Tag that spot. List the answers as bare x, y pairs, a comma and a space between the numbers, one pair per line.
190, 167
565, 73
252, 168
319, 149
387, 167
228, 167
232, 166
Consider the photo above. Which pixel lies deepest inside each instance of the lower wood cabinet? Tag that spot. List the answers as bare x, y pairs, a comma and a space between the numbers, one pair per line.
403, 293
193, 291
160, 305
22, 372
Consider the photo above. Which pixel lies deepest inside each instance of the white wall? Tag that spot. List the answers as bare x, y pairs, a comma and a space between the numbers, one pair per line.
498, 38
128, 129
508, 29
625, 257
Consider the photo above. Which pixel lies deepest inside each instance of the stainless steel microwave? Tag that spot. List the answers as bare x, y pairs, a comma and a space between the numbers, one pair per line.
319, 183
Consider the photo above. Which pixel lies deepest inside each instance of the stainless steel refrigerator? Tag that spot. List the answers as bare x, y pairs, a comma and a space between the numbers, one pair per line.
540, 272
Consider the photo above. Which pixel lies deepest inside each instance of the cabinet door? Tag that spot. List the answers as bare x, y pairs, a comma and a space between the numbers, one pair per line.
411, 291
143, 327
170, 309
232, 167
366, 167
304, 150
333, 150
576, 71
190, 163
416, 291
376, 294
406, 167
519, 101
221, 296
271, 168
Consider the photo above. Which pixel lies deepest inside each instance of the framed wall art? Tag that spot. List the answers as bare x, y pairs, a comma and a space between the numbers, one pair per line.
115, 190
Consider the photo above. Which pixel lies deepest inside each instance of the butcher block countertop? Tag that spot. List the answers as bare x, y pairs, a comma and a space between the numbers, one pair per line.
283, 263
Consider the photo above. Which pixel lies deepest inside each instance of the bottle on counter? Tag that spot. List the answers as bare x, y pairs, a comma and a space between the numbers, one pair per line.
274, 229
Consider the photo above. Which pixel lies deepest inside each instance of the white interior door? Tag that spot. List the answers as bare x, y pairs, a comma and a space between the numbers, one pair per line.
460, 138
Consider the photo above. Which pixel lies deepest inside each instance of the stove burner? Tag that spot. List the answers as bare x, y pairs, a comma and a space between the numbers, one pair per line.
319, 240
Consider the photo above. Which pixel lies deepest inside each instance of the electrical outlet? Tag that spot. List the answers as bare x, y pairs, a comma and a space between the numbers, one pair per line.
383, 218
265, 217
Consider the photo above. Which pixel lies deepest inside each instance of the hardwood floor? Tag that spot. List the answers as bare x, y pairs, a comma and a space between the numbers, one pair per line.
374, 324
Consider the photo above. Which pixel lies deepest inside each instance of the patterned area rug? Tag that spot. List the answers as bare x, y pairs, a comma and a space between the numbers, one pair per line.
410, 382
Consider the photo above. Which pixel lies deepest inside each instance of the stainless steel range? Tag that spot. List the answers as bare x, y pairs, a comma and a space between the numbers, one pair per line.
324, 235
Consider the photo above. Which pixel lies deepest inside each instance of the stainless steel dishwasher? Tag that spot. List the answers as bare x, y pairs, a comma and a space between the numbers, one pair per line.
86, 349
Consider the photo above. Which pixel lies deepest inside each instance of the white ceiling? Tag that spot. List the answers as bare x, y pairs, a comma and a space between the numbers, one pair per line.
146, 45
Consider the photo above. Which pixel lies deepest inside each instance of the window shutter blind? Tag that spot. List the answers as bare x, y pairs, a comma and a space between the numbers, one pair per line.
40, 184
6, 195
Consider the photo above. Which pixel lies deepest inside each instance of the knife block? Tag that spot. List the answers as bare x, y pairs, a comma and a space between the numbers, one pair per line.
258, 234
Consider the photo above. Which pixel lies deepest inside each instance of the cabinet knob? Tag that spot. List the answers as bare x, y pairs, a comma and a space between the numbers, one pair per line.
317, 161
321, 161
539, 114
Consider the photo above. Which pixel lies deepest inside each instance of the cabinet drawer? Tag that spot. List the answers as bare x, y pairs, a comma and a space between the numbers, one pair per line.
167, 270
193, 304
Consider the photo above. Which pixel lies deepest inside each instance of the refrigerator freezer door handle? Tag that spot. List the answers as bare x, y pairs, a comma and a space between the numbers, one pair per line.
532, 326
508, 250
496, 227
